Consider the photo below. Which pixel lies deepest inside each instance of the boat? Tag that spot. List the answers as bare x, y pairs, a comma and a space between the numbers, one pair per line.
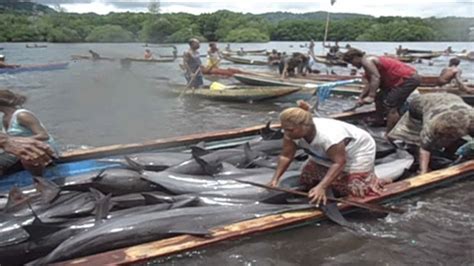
468, 98
88, 57
308, 86
87, 160
148, 251
163, 56
36, 46
466, 56
238, 93
29, 68
142, 60
245, 61
330, 62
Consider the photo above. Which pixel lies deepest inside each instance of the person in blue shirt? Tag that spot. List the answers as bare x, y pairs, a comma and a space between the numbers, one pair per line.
19, 122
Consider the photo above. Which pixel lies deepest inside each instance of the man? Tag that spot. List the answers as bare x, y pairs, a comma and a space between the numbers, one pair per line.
94, 54
5, 65
192, 65
274, 58
175, 52
395, 79
296, 64
453, 73
148, 55
27, 149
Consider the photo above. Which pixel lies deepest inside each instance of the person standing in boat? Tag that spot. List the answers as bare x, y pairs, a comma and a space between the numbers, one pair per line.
342, 156
5, 65
452, 74
19, 122
274, 58
213, 57
434, 122
148, 55
175, 52
94, 55
296, 64
395, 79
192, 65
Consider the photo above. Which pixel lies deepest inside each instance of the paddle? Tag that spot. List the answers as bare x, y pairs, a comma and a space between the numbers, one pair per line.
190, 81
368, 206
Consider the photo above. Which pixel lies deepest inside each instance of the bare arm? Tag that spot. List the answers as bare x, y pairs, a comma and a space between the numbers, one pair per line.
424, 161
374, 76
459, 82
284, 73
284, 160
186, 58
27, 149
28, 120
337, 154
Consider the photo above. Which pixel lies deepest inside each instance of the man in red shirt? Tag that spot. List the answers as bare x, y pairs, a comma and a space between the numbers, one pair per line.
395, 79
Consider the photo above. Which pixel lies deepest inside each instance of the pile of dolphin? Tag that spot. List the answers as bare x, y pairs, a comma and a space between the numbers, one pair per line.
154, 196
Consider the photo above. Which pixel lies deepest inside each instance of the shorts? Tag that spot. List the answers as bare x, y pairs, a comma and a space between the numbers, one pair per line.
396, 97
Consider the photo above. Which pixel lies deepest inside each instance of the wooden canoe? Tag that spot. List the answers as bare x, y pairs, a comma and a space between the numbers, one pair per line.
88, 57
308, 86
245, 61
83, 161
29, 68
466, 56
468, 98
330, 62
142, 60
238, 94
166, 247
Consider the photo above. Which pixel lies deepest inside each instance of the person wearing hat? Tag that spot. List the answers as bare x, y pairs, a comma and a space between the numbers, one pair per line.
395, 79
4, 65
433, 122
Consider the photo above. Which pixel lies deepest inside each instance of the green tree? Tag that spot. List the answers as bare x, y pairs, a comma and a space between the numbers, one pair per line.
110, 33
246, 35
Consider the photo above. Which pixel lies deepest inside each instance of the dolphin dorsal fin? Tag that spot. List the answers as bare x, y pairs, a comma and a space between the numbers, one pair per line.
49, 191
210, 169
134, 165
15, 199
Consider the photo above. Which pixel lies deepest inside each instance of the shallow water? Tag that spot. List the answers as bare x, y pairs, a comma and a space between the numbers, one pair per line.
98, 103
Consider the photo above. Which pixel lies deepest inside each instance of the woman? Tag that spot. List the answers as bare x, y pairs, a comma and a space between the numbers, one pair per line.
341, 155
434, 121
20, 122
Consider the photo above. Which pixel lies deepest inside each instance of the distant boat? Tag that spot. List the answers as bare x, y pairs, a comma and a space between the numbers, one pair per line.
28, 68
36, 46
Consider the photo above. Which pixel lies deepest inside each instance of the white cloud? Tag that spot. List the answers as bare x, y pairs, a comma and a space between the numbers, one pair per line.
421, 8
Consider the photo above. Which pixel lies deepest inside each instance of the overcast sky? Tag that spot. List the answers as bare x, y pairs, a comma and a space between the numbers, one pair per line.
420, 8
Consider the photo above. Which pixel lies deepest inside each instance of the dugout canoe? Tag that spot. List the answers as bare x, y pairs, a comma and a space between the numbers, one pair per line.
166, 247
245, 61
30, 68
238, 94
330, 62
468, 98
466, 56
308, 86
83, 161
36, 46
88, 57
142, 60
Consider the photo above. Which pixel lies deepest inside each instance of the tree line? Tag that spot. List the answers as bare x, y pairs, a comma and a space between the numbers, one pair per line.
223, 26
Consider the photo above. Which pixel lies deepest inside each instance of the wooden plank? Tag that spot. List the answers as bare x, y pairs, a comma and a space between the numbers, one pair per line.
166, 247
119, 149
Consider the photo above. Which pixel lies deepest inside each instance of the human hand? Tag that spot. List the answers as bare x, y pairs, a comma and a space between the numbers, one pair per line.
273, 183
32, 151
317, 195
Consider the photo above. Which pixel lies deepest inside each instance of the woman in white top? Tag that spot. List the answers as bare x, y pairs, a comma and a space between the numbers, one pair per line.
341, 155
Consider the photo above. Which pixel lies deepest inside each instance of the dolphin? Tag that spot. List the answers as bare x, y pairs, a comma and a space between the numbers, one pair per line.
158, 161
134, 229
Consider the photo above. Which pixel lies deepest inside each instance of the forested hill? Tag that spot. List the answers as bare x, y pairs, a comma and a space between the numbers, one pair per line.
276, 17
23, 22
23, 7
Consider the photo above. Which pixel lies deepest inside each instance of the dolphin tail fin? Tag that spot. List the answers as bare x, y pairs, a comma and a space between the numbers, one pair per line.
37, 229
103, 205
210, 169
49, 190
15, 199
268, 133
134, 165
199, 149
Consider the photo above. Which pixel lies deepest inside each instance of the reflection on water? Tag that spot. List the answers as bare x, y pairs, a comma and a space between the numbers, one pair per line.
98, 103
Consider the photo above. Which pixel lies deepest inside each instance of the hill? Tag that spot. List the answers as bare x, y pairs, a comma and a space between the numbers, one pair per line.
275, 17
23, 7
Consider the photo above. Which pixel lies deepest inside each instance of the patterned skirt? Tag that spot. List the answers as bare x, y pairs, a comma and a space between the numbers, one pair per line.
353, 184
